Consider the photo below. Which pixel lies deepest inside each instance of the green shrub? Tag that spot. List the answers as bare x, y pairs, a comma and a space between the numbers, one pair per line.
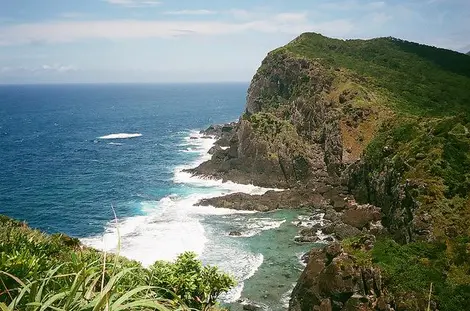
43, 272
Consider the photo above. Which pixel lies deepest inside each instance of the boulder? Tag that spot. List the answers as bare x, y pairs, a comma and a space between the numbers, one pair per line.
334, 281
341, 231
214, 149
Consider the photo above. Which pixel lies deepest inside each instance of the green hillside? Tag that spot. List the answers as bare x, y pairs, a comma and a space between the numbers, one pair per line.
426, 132
421, 79
395, 117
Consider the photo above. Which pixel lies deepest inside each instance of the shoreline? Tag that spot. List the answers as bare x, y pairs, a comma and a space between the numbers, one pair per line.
342, 216
137, 231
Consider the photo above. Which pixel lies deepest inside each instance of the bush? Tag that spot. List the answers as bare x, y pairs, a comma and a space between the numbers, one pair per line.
43, 272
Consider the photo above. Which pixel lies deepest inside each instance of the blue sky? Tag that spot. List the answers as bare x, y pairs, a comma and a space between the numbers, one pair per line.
51, 41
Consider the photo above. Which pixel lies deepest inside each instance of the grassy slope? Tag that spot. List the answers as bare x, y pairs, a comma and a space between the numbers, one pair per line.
428, 89
419, 79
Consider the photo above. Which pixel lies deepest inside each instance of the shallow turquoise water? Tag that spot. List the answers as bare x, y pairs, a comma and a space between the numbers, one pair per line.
273, 280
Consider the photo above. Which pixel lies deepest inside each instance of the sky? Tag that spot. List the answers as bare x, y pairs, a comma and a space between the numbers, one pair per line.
166, 41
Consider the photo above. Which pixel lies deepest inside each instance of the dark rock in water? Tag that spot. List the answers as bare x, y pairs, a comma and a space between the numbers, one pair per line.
219, 130
271, 200
329, 239
308, 232
193, 137
306, 239
305, 258
206, 137
250, 306
235, 233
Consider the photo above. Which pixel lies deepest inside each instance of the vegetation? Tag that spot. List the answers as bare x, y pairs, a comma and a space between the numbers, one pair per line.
433, 155
419, 79
409, 270
56, 272
406, 109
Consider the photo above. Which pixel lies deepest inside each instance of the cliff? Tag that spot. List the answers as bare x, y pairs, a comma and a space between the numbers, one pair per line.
385, 121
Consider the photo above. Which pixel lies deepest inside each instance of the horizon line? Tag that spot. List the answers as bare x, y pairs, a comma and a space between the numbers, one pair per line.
121, 83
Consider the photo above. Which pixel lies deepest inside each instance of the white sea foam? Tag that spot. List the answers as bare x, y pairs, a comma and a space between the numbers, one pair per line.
285, 298
243, 267
174, 224
254, 226
120, 136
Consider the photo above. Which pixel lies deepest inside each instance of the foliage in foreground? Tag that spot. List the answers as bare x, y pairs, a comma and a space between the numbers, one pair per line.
55, 272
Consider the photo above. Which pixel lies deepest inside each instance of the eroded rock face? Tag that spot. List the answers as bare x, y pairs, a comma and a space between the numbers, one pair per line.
333, 281
291, 132
398, 206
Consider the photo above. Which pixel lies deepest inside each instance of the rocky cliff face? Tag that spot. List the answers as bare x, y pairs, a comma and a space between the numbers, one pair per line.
313, 121
334, 281
301, 126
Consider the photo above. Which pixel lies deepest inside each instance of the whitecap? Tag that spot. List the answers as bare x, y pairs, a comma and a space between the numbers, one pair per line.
174, 224
285, 298
120, 136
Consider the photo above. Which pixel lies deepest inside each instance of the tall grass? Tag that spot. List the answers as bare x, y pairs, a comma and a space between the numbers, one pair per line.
39, 272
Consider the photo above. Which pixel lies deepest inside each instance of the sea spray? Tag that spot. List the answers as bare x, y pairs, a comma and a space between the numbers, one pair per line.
174, 224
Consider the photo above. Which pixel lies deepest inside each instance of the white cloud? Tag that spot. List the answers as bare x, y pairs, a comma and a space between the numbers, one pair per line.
134, 3
347, 5
73, 15
190, 12
291, 17
69, 31
53, 68
380, 18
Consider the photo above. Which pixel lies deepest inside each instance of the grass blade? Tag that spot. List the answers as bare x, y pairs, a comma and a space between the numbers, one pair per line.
49, 276
129, 294
149, 303
14, 278
102, 299
53, 299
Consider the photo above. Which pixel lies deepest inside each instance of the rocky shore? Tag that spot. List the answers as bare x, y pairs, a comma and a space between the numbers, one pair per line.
332, 128
342, 216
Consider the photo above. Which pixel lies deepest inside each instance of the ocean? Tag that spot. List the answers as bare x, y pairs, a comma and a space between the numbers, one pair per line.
72, 155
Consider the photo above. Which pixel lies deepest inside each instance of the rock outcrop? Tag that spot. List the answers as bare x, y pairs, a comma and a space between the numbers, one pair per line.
334, 281
291, 133
374, 136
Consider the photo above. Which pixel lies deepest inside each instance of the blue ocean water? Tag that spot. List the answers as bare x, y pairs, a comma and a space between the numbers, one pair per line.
58, 176
69, 153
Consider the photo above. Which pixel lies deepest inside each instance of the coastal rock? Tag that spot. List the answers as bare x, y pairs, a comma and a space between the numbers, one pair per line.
271, 200
306, 239
341, 231
299, 142
235, 233
361, 216
215, 149
332, 280
251, 307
